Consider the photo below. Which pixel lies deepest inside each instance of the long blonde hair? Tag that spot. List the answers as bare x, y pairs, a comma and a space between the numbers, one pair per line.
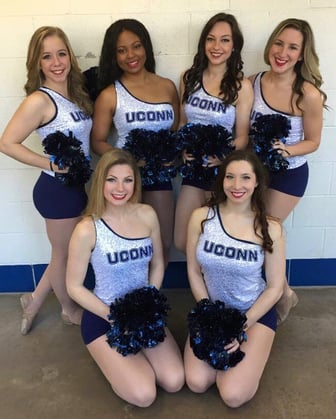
306, 69
36, 78
96, 205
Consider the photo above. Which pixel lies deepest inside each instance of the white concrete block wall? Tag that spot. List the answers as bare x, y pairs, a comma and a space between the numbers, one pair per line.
174, 26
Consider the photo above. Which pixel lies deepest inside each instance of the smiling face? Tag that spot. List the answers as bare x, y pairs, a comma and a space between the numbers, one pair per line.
131, 54
239, 181
219, 43
119, 184
55, 61
286, 50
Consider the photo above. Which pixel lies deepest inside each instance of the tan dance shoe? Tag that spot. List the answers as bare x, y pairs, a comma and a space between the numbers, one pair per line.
284, 306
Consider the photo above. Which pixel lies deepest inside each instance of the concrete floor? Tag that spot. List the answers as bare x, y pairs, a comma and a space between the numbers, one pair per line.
49, 373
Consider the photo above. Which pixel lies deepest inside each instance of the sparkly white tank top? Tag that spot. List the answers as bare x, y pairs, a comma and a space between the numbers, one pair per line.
231, 267
260, 107
120, 264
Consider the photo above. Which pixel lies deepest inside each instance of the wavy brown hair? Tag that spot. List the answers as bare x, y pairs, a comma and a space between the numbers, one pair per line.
307, 69
231, 81
258, 200
36, 78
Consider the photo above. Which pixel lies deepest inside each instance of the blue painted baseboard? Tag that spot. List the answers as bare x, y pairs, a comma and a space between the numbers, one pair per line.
301, 272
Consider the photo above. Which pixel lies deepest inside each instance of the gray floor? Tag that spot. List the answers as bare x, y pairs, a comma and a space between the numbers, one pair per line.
49, 374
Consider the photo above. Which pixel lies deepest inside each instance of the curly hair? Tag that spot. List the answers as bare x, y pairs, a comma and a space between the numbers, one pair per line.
35, 77
231, 81
258, 205
109, 70
306, 69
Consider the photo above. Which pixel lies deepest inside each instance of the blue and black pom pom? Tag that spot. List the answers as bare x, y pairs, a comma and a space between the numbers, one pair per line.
266, 129
66, 151
158, 150
138, 320
212, 326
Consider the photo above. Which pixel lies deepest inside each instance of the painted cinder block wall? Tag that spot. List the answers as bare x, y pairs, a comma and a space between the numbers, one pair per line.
174, 26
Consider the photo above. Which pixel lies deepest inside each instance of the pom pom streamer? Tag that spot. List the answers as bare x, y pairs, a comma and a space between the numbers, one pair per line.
138, 320
266, 129
65, 151
202, 141
158, 150
212, 326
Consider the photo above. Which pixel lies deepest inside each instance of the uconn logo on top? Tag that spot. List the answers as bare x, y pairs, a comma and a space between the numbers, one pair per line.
79, 116
130, 255
151, 116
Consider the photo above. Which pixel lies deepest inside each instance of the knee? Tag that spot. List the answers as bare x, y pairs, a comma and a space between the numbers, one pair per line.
174, 382
141, 397
197, 385
235, 397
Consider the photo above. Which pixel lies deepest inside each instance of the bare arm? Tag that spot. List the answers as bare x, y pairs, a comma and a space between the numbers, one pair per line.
33, 111
80, 247
104, 109
195, 276
275, 270
183, 117
156, 269
243, 113
312, 122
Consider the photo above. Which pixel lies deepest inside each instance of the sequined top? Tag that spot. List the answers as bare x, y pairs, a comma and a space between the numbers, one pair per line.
120, 264
260, 107
132, 113
231, 267
202, 108
68, 117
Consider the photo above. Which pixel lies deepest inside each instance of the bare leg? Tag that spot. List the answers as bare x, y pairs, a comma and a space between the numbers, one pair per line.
163, 203
131, 377
199, 375
134, 377
166, 361
239, 384
280, 205
189, 198
53, 278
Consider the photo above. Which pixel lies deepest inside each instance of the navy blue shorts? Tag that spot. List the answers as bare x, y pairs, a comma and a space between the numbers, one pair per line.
269, 319
164, 186
196, 183
291, 181
93, 326
54, 200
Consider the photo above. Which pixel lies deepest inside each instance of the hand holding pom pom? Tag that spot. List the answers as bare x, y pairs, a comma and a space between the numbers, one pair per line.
157, 149
138, 320
266, 130
66, 152
212, 326
202, 141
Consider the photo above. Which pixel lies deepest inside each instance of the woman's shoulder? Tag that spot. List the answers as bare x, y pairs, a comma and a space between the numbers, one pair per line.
310, 92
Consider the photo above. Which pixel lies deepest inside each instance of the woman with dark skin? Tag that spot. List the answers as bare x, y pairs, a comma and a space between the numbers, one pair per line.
133, 96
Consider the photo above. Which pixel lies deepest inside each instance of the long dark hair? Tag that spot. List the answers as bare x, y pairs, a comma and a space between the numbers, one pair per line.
258, 200
231, 81
109, 71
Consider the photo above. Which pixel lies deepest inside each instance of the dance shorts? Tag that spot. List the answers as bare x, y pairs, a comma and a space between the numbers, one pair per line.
291, 181
206, 186
269, 319
54, 200
163, 186
93, 326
